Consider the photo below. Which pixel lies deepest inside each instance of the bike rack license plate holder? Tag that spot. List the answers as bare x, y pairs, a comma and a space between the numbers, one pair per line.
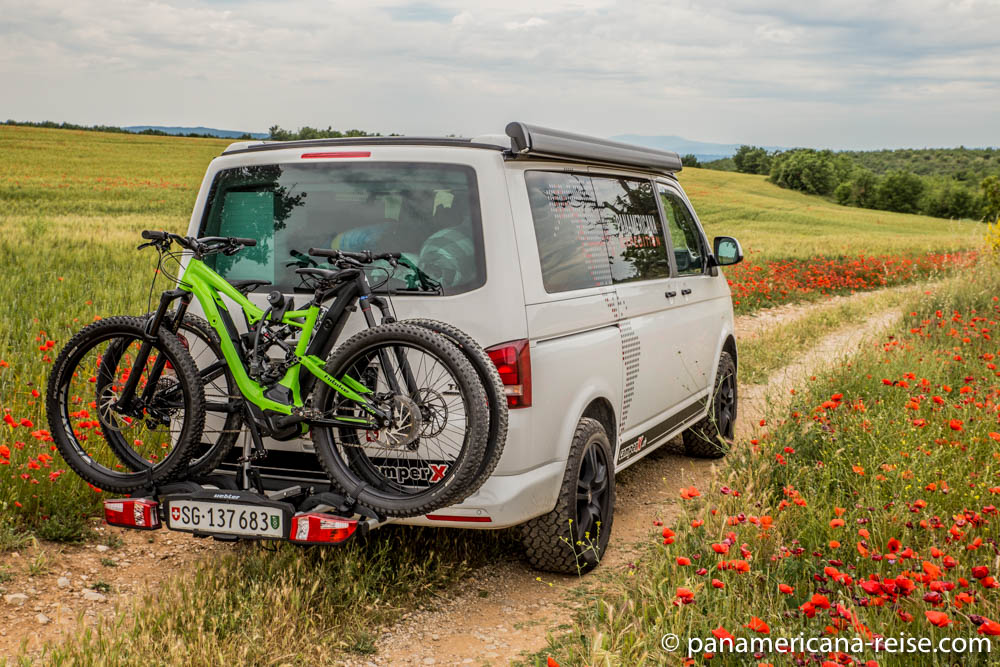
231, 515
226, 513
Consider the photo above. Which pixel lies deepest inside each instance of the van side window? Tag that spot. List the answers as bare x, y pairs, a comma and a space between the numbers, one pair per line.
636, 247
595, 231
689, 252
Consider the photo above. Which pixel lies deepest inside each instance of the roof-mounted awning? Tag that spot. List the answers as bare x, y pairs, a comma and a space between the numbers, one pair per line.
535, 141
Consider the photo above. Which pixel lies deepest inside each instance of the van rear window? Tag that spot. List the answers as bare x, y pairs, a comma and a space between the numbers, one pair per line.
428, 211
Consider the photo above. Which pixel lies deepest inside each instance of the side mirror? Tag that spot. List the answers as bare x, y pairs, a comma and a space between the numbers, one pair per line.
727, 251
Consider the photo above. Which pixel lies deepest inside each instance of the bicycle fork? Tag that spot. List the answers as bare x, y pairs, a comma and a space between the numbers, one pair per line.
404, 365
127, 402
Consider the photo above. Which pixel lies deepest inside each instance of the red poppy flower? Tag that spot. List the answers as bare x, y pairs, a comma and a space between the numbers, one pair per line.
723, 635
758, 625
820, 601
938, 618
988, 627
786, 589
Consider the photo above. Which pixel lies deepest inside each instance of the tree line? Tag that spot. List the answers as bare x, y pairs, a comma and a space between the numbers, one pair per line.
275, 132
52, 125
952, 183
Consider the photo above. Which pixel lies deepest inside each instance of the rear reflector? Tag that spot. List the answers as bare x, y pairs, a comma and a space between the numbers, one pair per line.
141, 513
458, 517
513, 361
319, 528
306, 156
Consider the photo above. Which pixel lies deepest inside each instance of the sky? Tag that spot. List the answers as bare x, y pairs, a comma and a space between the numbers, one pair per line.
848, 74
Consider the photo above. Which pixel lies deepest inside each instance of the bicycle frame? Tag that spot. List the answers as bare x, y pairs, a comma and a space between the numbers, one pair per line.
208, 287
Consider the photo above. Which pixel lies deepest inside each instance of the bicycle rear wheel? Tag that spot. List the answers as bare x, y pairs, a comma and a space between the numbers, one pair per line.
430, 457
492, 384
111, 447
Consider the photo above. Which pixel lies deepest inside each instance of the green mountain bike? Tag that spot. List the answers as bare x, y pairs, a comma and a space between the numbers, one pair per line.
128, 405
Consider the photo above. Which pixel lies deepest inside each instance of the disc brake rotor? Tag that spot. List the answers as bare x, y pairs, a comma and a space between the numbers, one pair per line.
433, 412
406, 423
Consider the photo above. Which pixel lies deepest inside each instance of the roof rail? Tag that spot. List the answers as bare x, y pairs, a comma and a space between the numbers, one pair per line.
255, 146
532, 140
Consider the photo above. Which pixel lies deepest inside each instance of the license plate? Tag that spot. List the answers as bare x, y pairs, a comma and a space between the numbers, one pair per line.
225, 518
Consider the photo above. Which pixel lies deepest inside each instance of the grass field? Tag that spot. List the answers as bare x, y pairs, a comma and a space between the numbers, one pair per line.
71, 208
775, 223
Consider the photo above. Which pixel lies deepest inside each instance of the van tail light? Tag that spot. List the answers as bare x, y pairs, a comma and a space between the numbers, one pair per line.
320, 528
513, 361
141, 513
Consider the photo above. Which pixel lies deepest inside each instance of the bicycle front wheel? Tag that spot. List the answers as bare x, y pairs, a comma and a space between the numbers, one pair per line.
432, 453
112, 445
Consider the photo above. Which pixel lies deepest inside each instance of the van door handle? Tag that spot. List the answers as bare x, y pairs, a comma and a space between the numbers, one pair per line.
670, 295
685, 291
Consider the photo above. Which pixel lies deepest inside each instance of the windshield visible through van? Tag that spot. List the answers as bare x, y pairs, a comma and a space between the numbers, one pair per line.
427, 211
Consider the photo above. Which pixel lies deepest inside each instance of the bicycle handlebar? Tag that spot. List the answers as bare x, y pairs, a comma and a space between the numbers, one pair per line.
230, 240
365, 256
199, 246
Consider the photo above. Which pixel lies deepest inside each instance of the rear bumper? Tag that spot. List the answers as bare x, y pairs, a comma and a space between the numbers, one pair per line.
503, 501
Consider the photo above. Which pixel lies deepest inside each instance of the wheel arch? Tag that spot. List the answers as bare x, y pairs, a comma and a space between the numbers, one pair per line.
729, 345
601, 410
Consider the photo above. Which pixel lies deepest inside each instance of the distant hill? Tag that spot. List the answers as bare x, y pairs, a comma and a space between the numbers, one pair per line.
704, 151
211, 131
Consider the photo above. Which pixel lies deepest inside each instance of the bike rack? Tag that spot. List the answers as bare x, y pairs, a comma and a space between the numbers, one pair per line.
308, 516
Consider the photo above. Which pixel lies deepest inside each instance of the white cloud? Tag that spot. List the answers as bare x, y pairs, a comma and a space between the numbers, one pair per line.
762, 71
533, 22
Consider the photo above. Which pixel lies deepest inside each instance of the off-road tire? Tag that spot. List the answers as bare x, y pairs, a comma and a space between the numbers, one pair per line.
548, 541
463, 477
57, 406
712, 437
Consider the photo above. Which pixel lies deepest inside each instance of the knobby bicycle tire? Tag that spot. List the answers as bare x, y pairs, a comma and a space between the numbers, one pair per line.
462, 478
59, 403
